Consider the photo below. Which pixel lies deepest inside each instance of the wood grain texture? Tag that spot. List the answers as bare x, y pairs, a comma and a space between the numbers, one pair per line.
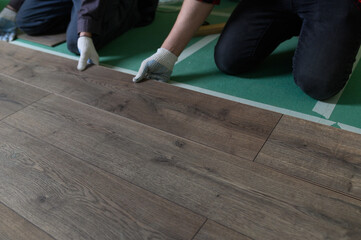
227, 126
48, 40
70, 199
16, 95
325, 155
242, 195
214, 231
15, 227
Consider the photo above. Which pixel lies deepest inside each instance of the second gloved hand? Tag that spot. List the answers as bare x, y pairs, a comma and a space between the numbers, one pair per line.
159, 66
7, 25
88, 54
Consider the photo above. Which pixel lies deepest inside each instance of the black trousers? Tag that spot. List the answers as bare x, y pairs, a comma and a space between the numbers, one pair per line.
38, 17
329, 38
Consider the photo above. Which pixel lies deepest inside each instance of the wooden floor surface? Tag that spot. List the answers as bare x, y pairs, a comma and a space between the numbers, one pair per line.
90, 155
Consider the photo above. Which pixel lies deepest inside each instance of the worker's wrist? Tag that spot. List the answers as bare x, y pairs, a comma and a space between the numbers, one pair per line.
85, 34
11, 8
165, 57
172, 49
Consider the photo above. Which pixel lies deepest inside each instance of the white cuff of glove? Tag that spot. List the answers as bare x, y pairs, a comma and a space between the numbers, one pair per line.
8, 14
166, 58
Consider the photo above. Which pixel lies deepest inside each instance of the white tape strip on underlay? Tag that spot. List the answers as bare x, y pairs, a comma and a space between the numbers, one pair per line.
349, 128
196, 46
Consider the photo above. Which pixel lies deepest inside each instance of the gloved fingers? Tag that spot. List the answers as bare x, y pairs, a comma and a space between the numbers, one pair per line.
95, 58
84, 60
160, 77
143, 70
2, 36
88, 54
7, 36
82, 63
11, 36
159, 66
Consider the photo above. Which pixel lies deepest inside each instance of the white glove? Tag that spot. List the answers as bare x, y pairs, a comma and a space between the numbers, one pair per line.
7, 25
88, 54
159, 66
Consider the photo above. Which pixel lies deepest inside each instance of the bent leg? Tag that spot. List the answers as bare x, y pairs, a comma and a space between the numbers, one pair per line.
252, 33
37, 17
327, 48
120, 16
147, 9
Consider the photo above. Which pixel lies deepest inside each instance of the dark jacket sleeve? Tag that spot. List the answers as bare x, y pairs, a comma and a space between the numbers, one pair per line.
90, 16
16, 4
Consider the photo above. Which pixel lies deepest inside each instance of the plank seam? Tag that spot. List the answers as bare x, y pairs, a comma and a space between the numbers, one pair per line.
108, 112
224, 226
309, 182
205, 91
27, 220
268, 137
105, 171
25, 83
297, 177
255, 104
4, 118
199, 229
197, 143
155, 194
202, 144
197, 89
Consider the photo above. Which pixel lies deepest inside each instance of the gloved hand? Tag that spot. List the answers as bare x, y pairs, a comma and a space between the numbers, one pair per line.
88, 54
7, 25
159, 66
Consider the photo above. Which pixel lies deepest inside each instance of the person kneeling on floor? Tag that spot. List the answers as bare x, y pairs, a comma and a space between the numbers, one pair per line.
329, 38
89, 24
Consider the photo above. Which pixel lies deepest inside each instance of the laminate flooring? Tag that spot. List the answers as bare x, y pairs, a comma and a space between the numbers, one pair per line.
91, 155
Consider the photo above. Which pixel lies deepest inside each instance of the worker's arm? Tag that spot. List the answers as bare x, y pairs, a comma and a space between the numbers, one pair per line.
160, 65
190, 18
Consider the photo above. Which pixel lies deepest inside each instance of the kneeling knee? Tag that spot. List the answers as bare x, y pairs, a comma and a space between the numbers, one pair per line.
27, 26
233, 66
319, 88
72, 44
230, 63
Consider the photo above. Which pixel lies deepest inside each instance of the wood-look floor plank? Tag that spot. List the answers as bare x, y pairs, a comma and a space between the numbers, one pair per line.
321, 154
214, 231
245, 196
15, 227
71, 199
16, 95
227, 126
